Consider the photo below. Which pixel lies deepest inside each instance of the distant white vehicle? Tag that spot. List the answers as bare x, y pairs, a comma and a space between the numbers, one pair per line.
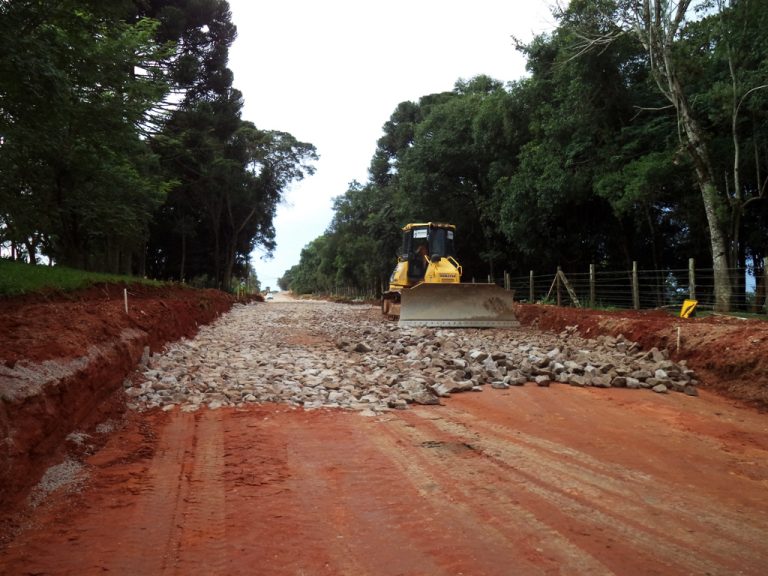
270, 297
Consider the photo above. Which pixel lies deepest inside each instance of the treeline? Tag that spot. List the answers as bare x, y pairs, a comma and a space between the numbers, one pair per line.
638, 135
122, 147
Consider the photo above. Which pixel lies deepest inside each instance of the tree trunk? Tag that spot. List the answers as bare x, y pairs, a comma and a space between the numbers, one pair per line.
229, 265
32, 251
141, 261
126, 261
655, 257
699, 154
230, 248
217, 258
718, 247
183, 255
657, 24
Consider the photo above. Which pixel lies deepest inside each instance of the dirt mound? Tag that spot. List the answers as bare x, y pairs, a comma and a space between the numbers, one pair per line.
62, 325
63, 358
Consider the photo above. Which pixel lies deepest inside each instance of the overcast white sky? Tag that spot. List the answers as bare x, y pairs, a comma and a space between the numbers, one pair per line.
332, 72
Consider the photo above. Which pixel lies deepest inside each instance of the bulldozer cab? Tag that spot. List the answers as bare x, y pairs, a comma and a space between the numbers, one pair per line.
423, 243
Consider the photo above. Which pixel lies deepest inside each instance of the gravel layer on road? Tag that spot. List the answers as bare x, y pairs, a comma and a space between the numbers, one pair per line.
326, 355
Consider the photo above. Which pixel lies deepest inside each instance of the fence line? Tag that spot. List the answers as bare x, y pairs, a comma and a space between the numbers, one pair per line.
642, 289
635, 288
350, 293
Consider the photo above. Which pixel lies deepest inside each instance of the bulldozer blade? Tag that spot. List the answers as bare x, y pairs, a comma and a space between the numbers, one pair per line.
457, 305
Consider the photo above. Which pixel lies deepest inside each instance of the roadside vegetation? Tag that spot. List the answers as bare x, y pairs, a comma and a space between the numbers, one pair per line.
17, 278
639, 135
122, 147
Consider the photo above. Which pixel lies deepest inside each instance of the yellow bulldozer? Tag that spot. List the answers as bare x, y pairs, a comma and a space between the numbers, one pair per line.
425, 288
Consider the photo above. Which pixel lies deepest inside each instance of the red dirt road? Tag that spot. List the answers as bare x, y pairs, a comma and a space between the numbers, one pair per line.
529, 480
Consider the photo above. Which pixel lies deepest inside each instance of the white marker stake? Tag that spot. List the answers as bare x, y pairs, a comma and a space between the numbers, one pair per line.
125, 295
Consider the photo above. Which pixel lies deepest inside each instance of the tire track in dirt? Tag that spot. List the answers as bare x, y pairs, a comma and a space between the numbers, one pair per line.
202, 515
154, 516
139, 497
643, 514
268, 528
181, 505
367, 512
483, 486
143, 517
567, 493
484, 498
607, 488
333, 501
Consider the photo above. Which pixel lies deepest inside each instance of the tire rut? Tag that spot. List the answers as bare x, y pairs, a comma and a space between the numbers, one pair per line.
555, 493
579, 476
181, 504
481, 498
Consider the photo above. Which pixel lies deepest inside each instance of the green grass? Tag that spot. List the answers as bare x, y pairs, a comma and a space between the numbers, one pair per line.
17, 278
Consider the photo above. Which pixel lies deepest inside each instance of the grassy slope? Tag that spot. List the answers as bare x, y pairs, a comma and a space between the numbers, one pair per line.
17, 278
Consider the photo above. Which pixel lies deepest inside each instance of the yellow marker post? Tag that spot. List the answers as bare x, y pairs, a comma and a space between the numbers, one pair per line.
688, 307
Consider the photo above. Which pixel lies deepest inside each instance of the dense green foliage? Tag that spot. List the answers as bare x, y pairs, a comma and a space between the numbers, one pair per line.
584, 161
19, 278
122, 148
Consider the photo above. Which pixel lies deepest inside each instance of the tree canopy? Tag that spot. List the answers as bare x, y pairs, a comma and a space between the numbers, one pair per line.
122, 147
587, 160
639, 134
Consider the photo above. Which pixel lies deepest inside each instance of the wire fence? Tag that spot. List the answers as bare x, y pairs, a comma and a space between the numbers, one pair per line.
350, 293
640, 289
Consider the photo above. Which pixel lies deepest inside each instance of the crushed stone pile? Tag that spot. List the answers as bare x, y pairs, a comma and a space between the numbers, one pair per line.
325, 355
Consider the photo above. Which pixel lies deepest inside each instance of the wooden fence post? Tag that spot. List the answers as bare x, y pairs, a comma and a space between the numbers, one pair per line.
569, 288
635, 287
691, 279
592, 298
557, 281
531, 298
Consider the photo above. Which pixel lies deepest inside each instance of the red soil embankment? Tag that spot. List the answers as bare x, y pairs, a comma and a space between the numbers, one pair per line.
64, 356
